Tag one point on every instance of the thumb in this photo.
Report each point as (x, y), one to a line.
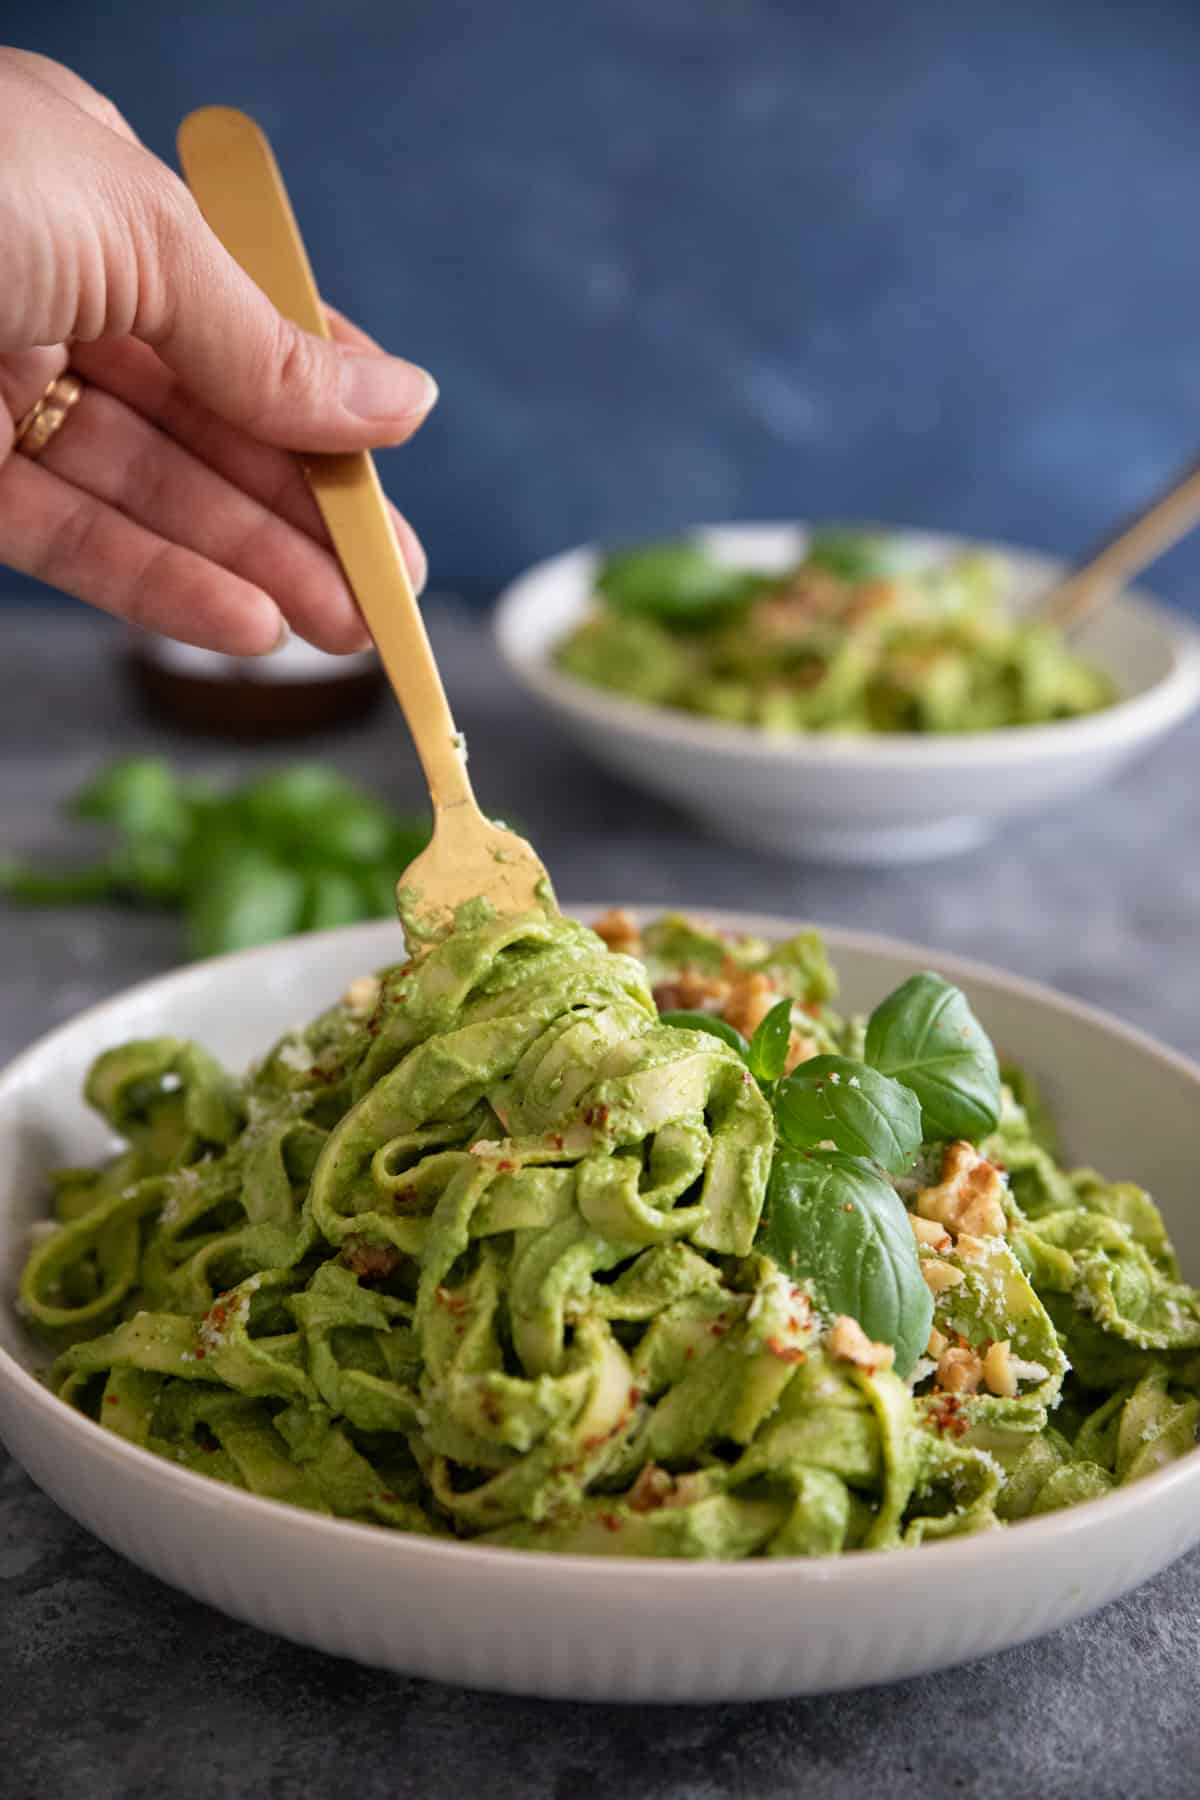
(221, 335)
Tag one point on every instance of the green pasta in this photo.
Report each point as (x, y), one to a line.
(861, 636)
(492, 1251)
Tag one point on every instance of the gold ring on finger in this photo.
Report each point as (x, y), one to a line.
(48, 415)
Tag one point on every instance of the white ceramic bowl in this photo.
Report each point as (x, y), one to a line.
(573, 1626)
(868, 799)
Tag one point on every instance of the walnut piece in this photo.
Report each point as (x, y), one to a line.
(998, 1371)
(930, 1233)
(620, 931)
(362, 996)
(959, 1370)
(940, 1275)
(849, 1343)
(691, 990)
(970, 1195)
(750, 1000)
(800, 1048)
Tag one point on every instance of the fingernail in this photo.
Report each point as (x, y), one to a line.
(284, 638)
(385, 387)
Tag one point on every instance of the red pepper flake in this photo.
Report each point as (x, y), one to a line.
(788, 1353)
(635, 1395)
(849, 1206)
(201, 1353)
(505, 1165)
(558, 1141)
(389, 1499)
(947, 1414)
(596, 1115)
(453, 1303)
(111, 1400)
(717, 1329)
(610, 1521)
(689, 1353)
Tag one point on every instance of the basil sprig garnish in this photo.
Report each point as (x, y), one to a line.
(835, 1222)
(679, 584)
(831, 1216)
(767, 1054)
(856, 1108)
(926, 1036)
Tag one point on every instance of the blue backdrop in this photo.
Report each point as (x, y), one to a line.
(684, 259)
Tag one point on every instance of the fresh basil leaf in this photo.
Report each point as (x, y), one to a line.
(332, 897)
(55, 887)
(926, 1036)
(151, 868)
(702, 1021)
(301, 791)
(409, 837)
(140, 795)
(677, 583)
(863, 1112)
(246, 897)
(833, 1221)
(769, 1045)
(854, 555)
(378, 889)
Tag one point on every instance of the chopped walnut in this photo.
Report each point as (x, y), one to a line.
(651, 1489)
(849, 1342)
(959, 1370)
(939, 1275)
(686, 1489)
(872, 597)
(937, 1343)
(362, 996)
(929, 1232)
(800, 1047)
(370, 1262)
(797, 605)
(691, 990)
(619, 929)
(970, 1195)
(970, 1248)
(750, 1000)
(998, 1371)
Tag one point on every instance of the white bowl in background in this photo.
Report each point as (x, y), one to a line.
(867, 799)
(594, 1628)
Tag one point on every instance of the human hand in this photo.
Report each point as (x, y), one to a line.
(168, 496)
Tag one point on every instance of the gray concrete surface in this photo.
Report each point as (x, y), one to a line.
(111, 1685)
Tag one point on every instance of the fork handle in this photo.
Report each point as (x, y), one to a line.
(231, 169)
(1146, 537)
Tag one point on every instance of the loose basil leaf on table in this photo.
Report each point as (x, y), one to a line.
(863, 1112)
(299, 849)
(709, 1023)
(769, 1046)
(139, 795)
(926, 1036)
(246, 897)
(832, 1220)
(677, 583)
